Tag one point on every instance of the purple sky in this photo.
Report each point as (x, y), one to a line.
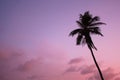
(35, 44)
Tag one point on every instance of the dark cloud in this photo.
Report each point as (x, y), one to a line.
(75, 61)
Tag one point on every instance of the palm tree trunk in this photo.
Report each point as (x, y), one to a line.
(96, 63)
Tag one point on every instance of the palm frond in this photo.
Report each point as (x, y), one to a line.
(81, 16)
(86, 18)
(87, 13)
(95, 30)
(74, 32)
(80, 24)
(83, 41)
(94, 19)
(79, 39)
(97, 24)
(90, 42)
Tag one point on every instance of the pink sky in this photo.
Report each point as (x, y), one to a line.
(35, 44)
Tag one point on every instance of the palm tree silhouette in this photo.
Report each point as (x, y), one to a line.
(87, 26)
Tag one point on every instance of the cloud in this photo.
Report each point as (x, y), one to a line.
(49, 61)
(9, 60)
(30, 65)
(118, 78)
(108, 74)
(35, 77)
(84, 70)
(14, 65)
(90, 72)
(27, 66)
(75, 61)
(72, 69)
(7, 54)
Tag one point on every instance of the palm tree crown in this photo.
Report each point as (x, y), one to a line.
(87, 25)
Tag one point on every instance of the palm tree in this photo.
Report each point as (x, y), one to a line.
(88, 25)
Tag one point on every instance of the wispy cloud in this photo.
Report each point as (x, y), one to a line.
(30, 65)
(74, 65)
(20, 65)
(72, 69)
(75, 60)
(108, 74)
(35, 77)
(84, 70)
(118, 78)
(9, 60)
(6, 54)
(91, 70)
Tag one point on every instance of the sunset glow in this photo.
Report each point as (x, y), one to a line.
(35, 42)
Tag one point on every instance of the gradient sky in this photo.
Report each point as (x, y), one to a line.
(34, 41)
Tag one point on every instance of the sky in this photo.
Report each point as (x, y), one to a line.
(34, 41)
